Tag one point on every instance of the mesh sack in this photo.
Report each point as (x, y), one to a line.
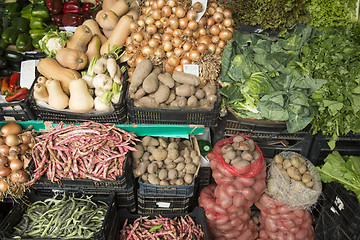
(307, 234)
(289, 191)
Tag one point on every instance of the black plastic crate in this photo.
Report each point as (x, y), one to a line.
(172, 116)
(171, 190)
(347, 145)
(16, 215)
(153, 204)
(340, 215)
(204, 177)
(16, 110)
(118, 116)
(198, 215)
(120, 182)
(5, 208)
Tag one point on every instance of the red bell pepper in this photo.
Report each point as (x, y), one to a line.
(71, 19)
(54, 6)
(14, 82)
(72, 8)
(88, 7)
(77, 2)
(5, 85)
(56, 19)
(20, 94)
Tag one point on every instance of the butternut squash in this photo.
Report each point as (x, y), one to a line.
(94, 27)
(93, 48)
(80, 39)
(118, 35)
(107, 19)
(120, 8)
(57, 98)
(50, 68)
(40, 92)
(107, 32)
(108, 4)
(72, 58)
(134, 13)
(80, 99)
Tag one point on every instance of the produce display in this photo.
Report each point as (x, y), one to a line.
(165, 161)
(10, 86)
(171, 34)
(15, 157)
(343, 169)
(10, 62)
(162, 228)
(86, 151)
(65, 217)
(152, 88)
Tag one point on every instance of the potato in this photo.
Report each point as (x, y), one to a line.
(162, 143)
(172, 181)
(278, 159)
(151, 149)
(179, 159)
(306, 178)
(193, 153)
(192, 102)
(226, 159)
(182, 173)
(151, 82)
(211, 98)
(196, 160)
(226, 148)
(144, 177)
(141, 169)
(243, 146)
(186, 78)
(286, 163)
(247, 155)
(185, 90)
(173, 154)
(279, 166)
(139, 93)
(152, 168)
(179, 181)
(159, 154)
(297, 157)
(164, 183)
(162, 94)
(163, 174)
(188, 160)
(230, 154)
(174, 104)
(181, 101)
(160, 164)
(238, 139)
(310, 184)
(241, 163)
(293, 173)
(190, 168)
(284, 172)
(199, 94)
(188, 178)
(209, 89)
(205, 104)
(166, 79)
(145, 141)
(168, 161)
(186, 153)
(153, 179)
(146, 102)
(302, 168)
(139, 151)
(171, 97)
(295, 162)
(135, 163)
(187, 143)
(170, 166)
(180, 166)
(173, 174)
(142, 70)
(256, 155)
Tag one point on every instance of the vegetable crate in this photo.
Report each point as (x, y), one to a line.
(120, 182)
(171, 190)
(17, 110)
(172, 116)
(204, 177)
(198, 215)
(17, 214)
(117, 116)
(271, 137)
(5, 208)
(347, 145)
(340, 215)
(155, 204)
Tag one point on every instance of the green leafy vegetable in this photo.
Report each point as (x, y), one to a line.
(267, 80)
(343, 169)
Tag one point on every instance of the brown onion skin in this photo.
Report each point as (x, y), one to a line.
(11, 128)
(16, 165)
(12, 140)
(4, 150)
(3, 160)
(19, 176)
(5, 171)
(4, 186)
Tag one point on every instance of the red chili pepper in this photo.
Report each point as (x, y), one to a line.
(77, 2)
(72, 8)
(20, 94)
(70, 19)
(88, 7)
(14, 82)
(5, 85)
(54, 6)
(56, 19)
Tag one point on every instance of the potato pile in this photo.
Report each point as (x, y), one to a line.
(151, 88)
(295, 168)
(240, 153)
(165, 161)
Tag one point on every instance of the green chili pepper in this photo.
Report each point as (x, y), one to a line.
(12, 7)
(10, 35)
(41, 11)
(23, 42)
(21, 23)
(155, 228)
(37, 23)
(26, 11)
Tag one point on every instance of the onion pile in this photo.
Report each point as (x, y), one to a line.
(15, 147)
(167, 32)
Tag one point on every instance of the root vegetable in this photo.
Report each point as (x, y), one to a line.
(293, 173)
(19, 176)
(160, 164)
(179, 159)
(152, 168)
(306, 178)
(188, 178)
(190, 168)
(170, 166)
(173, 174)
(209, 89)
(179, 181)
(164, 183)
(180, 166)
(185, 90)
(310, 184)
(278, 159)
(286, 164)
(139, 151)
(166, 79)
(302, 168)
(139, 93)
(192, 102)
(199, 94)
(171, 98)
(141, 169)
(241, 163)
(142, 70)
(153, 179)
(246, 155)
(230, 154)
(186, 78)
(151, 82)
(163, 174)
(162, 94)
(144, 177)
(146, 102)
(159, 154)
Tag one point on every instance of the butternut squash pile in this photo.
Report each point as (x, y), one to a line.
(93, 44)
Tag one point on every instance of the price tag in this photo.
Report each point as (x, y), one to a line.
(204, 6)
(27, 73)
(192, 69)
(70, 28)
(163, 204)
